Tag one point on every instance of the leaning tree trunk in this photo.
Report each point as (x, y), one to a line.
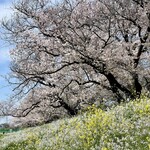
(116, 86)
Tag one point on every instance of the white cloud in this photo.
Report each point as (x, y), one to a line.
(5, 10)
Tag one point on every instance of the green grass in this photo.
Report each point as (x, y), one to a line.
(125, 127)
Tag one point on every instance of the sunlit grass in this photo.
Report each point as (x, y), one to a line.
(125, 127)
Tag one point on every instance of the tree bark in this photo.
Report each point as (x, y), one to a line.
(71, 111)
(116, 86)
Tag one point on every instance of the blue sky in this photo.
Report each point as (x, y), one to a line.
(5, 91)
(5, 12)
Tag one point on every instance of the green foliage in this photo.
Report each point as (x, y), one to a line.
(8, 130)
(125, 127)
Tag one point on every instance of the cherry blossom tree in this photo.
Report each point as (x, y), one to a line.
(79, 50)
(45, 112)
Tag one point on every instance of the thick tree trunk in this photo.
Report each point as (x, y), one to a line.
(116, 86)
(100, 67)
(137, 85)
(71, 111)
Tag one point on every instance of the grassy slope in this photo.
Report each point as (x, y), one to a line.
(125, 127)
